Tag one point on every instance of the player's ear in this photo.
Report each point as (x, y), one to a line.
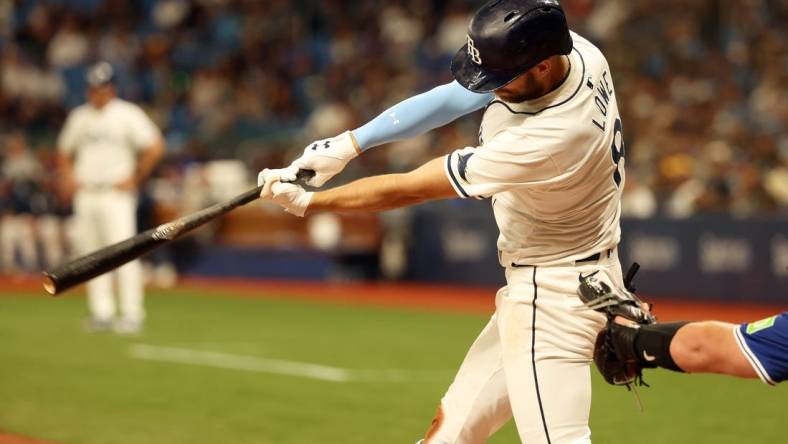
(542, 68)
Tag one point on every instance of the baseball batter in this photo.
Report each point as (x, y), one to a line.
(550, 160)
(107, 148)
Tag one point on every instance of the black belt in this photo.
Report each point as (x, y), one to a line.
(593, 258)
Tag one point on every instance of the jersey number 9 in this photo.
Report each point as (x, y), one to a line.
(619, 151)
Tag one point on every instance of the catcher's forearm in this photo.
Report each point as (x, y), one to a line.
(387, 192)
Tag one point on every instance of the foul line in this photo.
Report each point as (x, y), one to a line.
(238, 362)
(272, 366)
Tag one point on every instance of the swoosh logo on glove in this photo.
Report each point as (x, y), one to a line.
(648, 357)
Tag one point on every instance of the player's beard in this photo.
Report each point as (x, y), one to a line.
(523, 88)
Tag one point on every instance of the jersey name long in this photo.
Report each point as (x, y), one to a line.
(105, 142)
(553, 167)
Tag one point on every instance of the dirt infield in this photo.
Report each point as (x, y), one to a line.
(13, 439)
(444, 298)
(432, 297)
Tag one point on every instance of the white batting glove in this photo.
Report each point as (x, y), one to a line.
(294, 199)
(282, 174)
(327, 157)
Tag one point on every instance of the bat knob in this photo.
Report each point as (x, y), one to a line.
(305, 175)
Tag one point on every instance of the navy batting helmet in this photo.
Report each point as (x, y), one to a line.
(507, 38)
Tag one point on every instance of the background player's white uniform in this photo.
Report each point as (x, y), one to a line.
(553, 168)
(104, 144)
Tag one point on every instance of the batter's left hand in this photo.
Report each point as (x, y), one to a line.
(327, 158)
(294, 199)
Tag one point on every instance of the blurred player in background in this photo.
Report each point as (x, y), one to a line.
(53, 212)
(550, 157)
(108, 147)
(20, 172)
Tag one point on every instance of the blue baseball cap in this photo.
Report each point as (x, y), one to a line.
(100, 74)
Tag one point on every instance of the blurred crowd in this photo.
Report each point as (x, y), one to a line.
(700, 84)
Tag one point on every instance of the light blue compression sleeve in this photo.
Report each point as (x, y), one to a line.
(419, 114)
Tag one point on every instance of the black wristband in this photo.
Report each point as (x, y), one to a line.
(652, 345)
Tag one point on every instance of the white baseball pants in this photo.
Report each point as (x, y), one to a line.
(531, 361)
(104, 217)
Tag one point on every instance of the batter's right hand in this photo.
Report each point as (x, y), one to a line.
(289, 196)
(282, 174)
(328, 157)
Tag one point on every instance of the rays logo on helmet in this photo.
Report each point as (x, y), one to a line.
(473, 52)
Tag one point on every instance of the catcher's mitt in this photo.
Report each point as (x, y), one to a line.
(614, 353)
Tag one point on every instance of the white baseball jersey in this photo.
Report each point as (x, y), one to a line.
(105, 141)
(554, 167)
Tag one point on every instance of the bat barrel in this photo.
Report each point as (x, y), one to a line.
(58, 280)
(85, 268)
(109, 258)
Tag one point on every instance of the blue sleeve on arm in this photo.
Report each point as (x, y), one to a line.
(420, 114)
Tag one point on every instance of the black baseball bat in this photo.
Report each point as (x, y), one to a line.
(87, 267)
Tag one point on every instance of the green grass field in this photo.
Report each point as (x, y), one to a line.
(59, 383)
